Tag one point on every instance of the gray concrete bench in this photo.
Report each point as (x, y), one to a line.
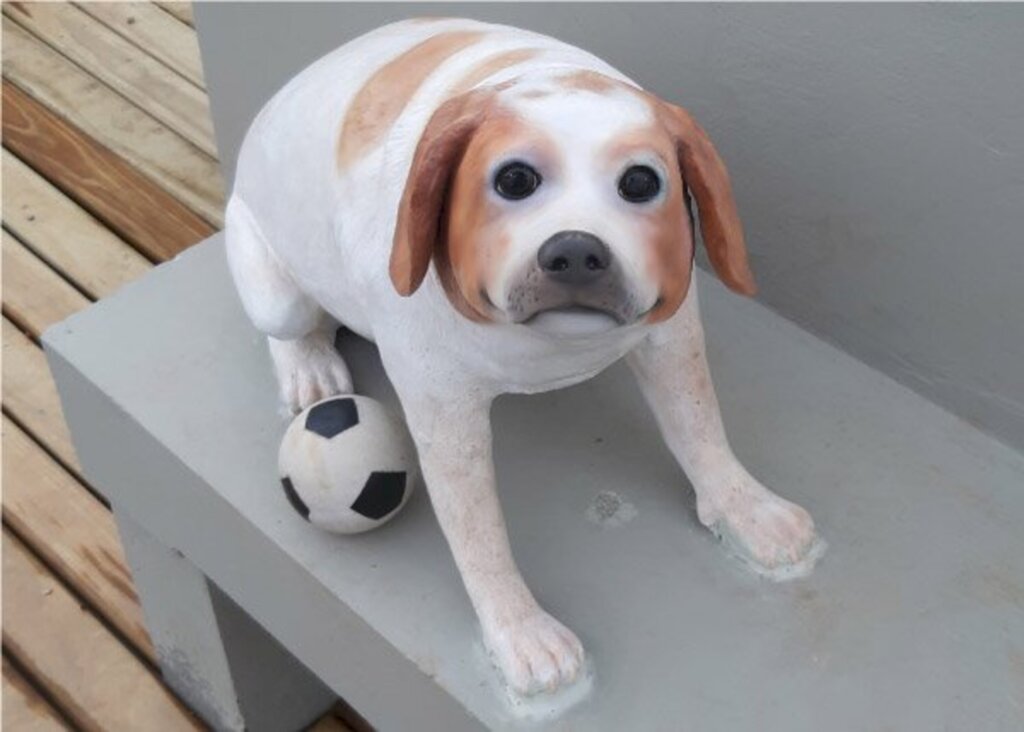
(914, 620)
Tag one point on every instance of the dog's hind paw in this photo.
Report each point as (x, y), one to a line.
(536, 654)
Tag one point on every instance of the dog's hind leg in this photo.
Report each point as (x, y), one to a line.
(299, 332)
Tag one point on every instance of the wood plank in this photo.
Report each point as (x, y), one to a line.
(330, 723)
(69, 532)
(155, 32)
(177, 166)
(35, 296)
(98, 682)
(64, 235)
(30, 395)
(73, 532)
(24, 709)
(180, 10)
(109, 188)
(349, 718)
(122, 66)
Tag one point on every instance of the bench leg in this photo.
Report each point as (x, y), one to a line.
(217, 658)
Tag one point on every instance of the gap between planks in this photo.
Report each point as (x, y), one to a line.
(72, 532)
(30, 397)
(74, 244)
(96, 680)
(109, 188)
(154, 31)
(180, 10)
(35, 297)
(24, 708)
(87, 538)
(173, 163)
(63, 234)
(55, 513)
(93, 284)
(19, 349)
(122, 66)
(59, 518)
(65, 525)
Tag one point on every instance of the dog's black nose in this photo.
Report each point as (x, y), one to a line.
(574, 257)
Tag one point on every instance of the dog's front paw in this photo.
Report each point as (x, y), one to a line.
(535, 653)
(776, 536)
(309, 369)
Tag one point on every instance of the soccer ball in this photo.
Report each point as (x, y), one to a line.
(347, 464)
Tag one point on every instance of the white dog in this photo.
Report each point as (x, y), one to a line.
(500, 212)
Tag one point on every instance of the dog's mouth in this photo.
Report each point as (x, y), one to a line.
(581, 311)
(542, 304)
(581, 320)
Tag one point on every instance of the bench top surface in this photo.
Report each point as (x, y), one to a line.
(914, 619)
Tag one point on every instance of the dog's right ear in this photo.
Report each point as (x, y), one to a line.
(419, 227)
(705, 174)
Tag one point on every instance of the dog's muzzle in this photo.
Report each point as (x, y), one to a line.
(574, 272)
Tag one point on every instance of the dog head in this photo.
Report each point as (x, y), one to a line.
(565, 197)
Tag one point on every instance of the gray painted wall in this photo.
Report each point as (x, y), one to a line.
(877, 154)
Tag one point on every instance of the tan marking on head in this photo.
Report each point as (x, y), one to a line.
(476, 239)
(666, 227)
(492, 65)
(672, 253)
(535, 94)
(380, 101)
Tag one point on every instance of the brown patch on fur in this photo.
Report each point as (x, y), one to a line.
(590, 81)
(494, 64)
(380, 101)
(534, 94)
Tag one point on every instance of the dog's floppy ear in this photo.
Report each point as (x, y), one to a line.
(705, 175)
(440, 149)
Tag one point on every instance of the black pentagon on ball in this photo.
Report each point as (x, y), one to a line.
(330, 419)
(381, 495)
(293, 498)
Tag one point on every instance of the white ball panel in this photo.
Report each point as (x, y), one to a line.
(328, 474)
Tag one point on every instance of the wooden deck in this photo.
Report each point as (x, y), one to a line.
(109, 167)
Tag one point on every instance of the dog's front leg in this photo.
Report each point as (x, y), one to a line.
(534, 651)
(671, 367)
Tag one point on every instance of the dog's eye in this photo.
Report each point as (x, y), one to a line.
(516, 180)
(638, 184)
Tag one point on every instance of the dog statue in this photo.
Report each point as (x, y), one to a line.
(499, 212)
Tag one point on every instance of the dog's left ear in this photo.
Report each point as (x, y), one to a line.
(705, 174)
(440, 149)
